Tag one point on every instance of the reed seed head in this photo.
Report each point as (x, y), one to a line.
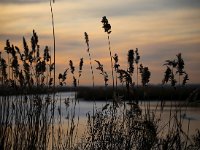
(71, 66)
(131, 61)
(87, 41)
(106, 25)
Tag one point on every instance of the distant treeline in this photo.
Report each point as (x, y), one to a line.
(6, 91)
(152, 92)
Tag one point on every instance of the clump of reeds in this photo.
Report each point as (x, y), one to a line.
(177, 64)
(27, 68)
(63, 77)
(25, 122)
(72, 68)
(145, 74)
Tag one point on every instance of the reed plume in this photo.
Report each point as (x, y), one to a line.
(8, 51)
(116, 66)
(185, 79)
(72, 68)
(107, 29)
(137, 58)
(145, 74)
(177, 64)
(63, 77)
(131, 61)
(80, 66)
(80, 69)
(3, 67)
(88, 50)
(102, 72)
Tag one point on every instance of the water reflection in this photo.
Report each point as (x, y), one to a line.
(188, 114)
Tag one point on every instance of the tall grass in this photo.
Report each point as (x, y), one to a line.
(107, 29)
(88, 50)
(54, 39)
(54, 52)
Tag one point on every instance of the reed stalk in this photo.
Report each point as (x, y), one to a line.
(88, 50)
(107, 29)
(54, 75)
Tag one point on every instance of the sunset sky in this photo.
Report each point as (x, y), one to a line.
(160, 29)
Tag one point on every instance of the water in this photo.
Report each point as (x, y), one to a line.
(66, 107)
(189, 115)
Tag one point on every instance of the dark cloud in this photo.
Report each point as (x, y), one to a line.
(140, 7)
(22, 1)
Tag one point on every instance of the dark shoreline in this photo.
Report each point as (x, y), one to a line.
(151, 92)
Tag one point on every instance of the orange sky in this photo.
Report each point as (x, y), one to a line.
(159, 28)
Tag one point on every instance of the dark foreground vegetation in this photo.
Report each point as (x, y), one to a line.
(29, 120)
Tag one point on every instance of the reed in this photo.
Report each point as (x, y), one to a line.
(88, 50)
(107, 29)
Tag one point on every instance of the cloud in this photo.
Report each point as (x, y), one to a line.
(117, 8)
(21, 1)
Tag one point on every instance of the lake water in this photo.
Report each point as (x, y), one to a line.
(189, 115)
(66, 107)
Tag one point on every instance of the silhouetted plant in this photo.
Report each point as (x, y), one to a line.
(14, 63)
(80, 69)
(3, 67)
(131, 61)
(8, 51)
(46, 54)
(125, 76)
(172, 63)
(74, 82)
(180, 64)
(34, 41)
(177, 64)
(145, 74)
(80, 66)
(51, 68)
(63, 77)
(196, 139)
(167, 75)
(102, 72)
(137, 58)
(72, 68)
(88, 50)
(107, 29)
(47, 58)
(26, 49)
(29, 66)
(54, 40)
(116, 66)
(185, 79)
(106, 25)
